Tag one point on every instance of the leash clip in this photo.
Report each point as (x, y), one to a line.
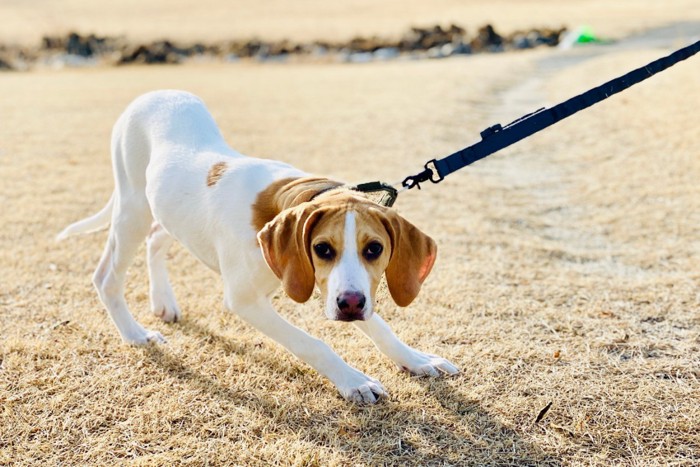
(430, 174)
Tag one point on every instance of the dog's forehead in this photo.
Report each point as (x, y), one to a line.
(367, 219)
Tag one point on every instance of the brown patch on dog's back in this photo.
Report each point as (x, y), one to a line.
(216, 172)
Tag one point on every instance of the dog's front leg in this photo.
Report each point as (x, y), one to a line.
(405, 357)
(353, 384)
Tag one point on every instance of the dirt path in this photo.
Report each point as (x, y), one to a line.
(534, 172)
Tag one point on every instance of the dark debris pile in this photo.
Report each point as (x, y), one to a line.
(74, 49)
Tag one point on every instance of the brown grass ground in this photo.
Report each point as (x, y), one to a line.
(568, 273)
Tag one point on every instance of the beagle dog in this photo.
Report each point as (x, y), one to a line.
(258, 223)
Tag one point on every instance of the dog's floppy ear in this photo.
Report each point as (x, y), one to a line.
(284, 242)
(413, 254)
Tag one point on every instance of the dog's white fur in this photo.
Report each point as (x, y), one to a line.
(163, 146)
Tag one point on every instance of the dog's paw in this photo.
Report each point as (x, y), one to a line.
(361, 389)
(165, 307)
(423, 364)
(144, 337)
(169, 314)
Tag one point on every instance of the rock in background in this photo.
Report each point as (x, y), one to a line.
(75, 49)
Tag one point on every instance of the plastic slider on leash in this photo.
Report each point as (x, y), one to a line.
(497, 137)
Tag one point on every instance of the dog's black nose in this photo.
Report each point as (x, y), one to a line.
(351, 306)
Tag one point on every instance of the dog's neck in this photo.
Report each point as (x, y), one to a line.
(288, 193)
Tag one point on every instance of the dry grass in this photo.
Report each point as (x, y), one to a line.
(568, 273)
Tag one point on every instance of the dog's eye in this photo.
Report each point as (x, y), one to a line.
(324, 251)
(372, 251)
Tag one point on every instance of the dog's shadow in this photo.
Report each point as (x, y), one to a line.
(460, 432)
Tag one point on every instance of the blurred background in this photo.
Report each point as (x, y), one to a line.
(25, 22)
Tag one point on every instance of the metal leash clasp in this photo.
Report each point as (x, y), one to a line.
(430, 173)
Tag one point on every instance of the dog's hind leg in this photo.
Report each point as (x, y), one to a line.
(130, 224)
(163, 302)
(131, 220)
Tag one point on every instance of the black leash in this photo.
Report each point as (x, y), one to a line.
(497, 137)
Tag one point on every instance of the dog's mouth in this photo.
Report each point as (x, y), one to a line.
(349, 318)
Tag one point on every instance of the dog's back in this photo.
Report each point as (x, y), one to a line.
(170, 117)
(162, 126)
(170, 149)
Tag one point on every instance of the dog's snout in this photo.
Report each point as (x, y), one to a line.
(351, 306)
(350, 301)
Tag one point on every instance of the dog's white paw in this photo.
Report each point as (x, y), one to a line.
(361, 389)
(165, 307)
(423, 364)
(145, 336)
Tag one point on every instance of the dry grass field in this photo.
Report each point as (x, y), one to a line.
(568, 272)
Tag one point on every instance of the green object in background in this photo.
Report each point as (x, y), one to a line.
(586, 35)
(579, 36)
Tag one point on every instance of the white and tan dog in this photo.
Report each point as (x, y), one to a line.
(256, 222)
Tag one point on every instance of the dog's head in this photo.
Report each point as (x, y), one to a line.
(343, 246)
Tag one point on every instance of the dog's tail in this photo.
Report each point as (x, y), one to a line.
(90, 224)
